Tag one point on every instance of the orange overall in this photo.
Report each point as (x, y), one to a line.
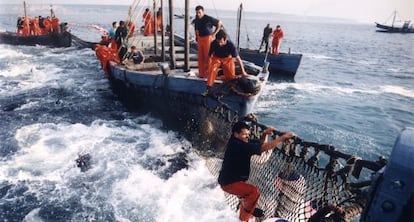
(131, 29)
(249, 196)
(148, 29)
(48, 26)
(55, 24)
(277, 39)
(26, 27)
(203, 43)
(36, 27)
(227, 64)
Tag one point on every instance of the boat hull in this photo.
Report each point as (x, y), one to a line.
(177, 100)
(393, 29)
(285, 64)
(53, 39)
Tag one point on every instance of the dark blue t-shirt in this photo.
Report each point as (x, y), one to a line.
(223, 51)
(205, 25)
(236, 162)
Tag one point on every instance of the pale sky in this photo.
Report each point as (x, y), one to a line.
(360, 10)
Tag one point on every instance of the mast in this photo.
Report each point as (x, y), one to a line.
(154, 15)
(239, 14)
(187, 37)
(393, 19)
(172, 50)
(24, 8)
(162, 32)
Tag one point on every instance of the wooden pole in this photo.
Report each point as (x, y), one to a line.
(154, 6)
(162, 32)
(172, 50)
(187, 37)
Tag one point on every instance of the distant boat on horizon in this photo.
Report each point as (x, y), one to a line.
(406, 27)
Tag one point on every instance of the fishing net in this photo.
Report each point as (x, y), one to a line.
(304, 181)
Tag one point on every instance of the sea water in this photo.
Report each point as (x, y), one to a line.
(354, 90)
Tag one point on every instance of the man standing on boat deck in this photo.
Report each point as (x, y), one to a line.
(221, 54)
(235, 169)
(203, 27)
(277, 39)
(267, 31)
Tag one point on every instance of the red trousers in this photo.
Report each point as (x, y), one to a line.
(227, 64)
(203, 43)
(249, 196)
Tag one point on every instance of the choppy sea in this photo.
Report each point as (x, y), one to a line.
(354, 89)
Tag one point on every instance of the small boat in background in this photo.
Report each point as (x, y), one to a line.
(282, 64)
(38, 31)
(406, 27)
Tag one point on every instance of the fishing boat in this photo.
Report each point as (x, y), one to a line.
(169, 87)
(63, 39)
(309, 181)
(299, 181)
(59, 37)
(282, 64)
(406, 27)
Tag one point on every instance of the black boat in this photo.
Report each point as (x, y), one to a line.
(170, 89)
(59, 37)
(285, 64)
(63, 39)
(406, 27)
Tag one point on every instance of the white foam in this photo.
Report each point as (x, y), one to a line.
(399, 90)
(47, 154)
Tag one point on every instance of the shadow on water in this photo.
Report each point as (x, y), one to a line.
(280, 78)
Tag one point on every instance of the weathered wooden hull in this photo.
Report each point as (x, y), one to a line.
(53, 39)
(176, 98)
(393, 29)
(286, 64)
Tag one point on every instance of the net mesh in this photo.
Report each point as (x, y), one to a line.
(301, 181)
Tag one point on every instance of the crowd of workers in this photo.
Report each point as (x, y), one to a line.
(35, 26)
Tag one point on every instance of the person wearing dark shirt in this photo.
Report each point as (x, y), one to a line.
(203, 27)
(235, 168)
(221, 54)
(267, 31)
(135, 56)
(121, 33)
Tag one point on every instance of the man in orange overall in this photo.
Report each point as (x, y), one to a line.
(222, 53)
(147, 17)
(235, 168)
(55, 24)
(277, 39)
(47, 23)
(203, 25)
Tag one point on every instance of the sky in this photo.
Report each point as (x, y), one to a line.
(359, 10)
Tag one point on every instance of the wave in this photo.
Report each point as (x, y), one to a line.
(132, 178)
(399, 90)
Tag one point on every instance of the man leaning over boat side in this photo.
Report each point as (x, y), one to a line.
(235, 168)
(203, 27)
(221, 54)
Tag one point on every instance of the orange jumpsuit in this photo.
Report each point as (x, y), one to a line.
(221, 56)
(131, 29)
(35, 28)
(277, 39)
(26, 27)
(204, 29)
(48, 26)
(203, 43)
(148, 29)
(249, 196)
(55, 24)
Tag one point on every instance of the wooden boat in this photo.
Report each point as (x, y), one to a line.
(170, 89)
(285, 64)
(406, 27)
(60, 38)
(63, 39)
